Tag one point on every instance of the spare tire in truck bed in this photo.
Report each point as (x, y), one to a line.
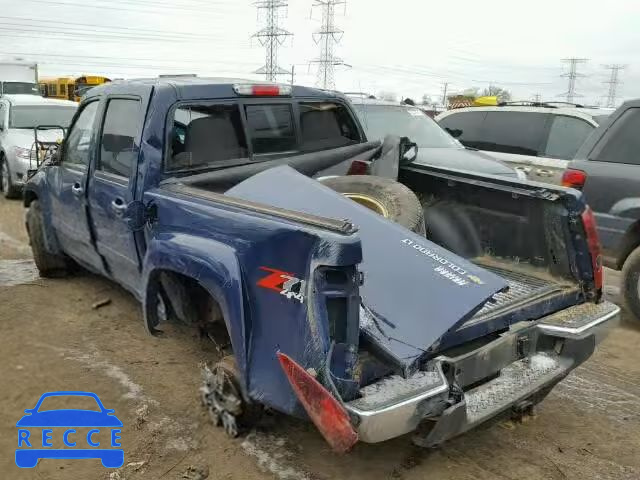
(387, 197)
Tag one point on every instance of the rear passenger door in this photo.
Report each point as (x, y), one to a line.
(566, 136)
(613, 170)
(112, 186)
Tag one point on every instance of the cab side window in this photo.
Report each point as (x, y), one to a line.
(80, 140)
(205, 136)
(621, 144)
(566, 136)
(522, 133)
(118, 148)
(3, 116)
(465, 126)
(326, 125)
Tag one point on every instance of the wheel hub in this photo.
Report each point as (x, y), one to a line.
(221, 396)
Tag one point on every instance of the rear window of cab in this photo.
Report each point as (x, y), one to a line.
(209, 134)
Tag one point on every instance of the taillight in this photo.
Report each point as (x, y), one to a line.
(358, 167)
(593, 241)
(573, 178)
(264, 90)
(324, 410)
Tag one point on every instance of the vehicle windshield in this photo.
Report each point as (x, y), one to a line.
(30, 116)
(405, 121)
(20, 88)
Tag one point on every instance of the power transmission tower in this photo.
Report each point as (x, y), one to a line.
(537, 98)
(271, 37)
(572, 75)
(327, 36)
(613, 82)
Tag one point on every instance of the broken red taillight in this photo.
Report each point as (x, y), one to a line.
(324, 410)
(262, 90)
(358, 167)
(593, 241)
(574, 178)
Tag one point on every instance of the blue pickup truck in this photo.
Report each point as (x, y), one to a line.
(406, 298)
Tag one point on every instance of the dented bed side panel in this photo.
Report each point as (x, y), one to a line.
(261, 270)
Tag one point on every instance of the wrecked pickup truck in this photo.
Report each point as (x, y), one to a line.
(198, 196)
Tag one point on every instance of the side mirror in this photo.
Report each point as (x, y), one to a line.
(408, 151)
(454, 132)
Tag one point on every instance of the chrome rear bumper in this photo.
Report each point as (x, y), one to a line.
(523, 365)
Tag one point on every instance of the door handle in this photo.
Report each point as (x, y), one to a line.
(544, 172)
(119, 207)
(77, 189)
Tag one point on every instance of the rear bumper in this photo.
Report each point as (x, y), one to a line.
(523, 365)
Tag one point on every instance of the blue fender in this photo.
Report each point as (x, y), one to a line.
(215, 267)
(35, 189)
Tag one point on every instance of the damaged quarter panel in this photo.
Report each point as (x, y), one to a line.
(261, 271)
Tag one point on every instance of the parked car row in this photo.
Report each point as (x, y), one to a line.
(20, 116)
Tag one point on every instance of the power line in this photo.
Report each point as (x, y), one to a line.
(91, 57)
(327, 37)
(613, 82)
(119, 9)
(271, 37)
(572, 75)
(108, 28)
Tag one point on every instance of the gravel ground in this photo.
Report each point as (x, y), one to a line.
(51, 339)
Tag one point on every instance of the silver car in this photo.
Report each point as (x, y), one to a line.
(538, 139)
(19, 115)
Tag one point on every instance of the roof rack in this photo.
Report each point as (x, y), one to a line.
(359, 94)
(525, 103)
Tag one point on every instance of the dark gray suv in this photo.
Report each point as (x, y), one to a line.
(607, 170)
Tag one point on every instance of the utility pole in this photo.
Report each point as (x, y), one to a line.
(572, 75)
(327, 36)
(537, 98)
(444, 95)
(271, 37)
(613, 82)
(293, 73)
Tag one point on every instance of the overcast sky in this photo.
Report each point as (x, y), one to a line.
(410, 47)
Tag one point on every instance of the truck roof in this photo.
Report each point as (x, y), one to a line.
(24, 99)
(189, 87)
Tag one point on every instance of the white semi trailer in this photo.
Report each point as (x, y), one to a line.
(18, 76)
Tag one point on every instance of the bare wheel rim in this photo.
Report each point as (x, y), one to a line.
(368, 202)
(4, 172)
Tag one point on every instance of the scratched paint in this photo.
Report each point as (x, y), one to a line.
(17, 272)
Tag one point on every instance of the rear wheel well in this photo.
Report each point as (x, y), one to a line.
(628, 244)
(188, 302)
(28, 197)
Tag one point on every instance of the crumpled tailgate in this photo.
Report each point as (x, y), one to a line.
(414, 290)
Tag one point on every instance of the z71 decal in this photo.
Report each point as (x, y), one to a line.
(284, 283)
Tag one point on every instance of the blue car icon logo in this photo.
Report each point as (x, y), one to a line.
(37, 429)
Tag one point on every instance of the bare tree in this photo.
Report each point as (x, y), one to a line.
(426, 100)
(493, 91)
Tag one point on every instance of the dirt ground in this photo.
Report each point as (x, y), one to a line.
(52, 339)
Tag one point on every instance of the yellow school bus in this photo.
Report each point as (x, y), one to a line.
(69, 88)
(62, 87)
(86, 82)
